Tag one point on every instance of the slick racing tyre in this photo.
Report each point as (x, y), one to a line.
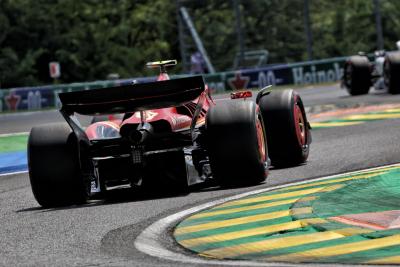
(391, 70)
(54, 168)
(236, 143)
(357, 75)
(286, 126)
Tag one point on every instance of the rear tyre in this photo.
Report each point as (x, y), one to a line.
(391, 71)
(54, 168)
(357, 75)
(236, 143)
(286, 126)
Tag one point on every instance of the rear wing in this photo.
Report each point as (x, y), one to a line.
(135, 97)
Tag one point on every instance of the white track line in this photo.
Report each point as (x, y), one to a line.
(148, 241)
(13, 134)
(12, 173)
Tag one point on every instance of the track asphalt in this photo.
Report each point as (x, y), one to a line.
(350, 219)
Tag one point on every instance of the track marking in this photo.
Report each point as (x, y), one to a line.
(393, 110)
(385, 260)
(279, 243)
(372, 117)
(366, 176)
(14, 134)
(283, 195)
(12, 173)
(250, 232)
(238, 221)
(247, 208)
(151, 241)
(337, 250)
(360, 110)
(334, 124)
(352, 117)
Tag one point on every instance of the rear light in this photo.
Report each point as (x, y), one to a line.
(241, 94)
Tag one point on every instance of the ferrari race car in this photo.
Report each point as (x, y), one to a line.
(171, 135)
(360, 74)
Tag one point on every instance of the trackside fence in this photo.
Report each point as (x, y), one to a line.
(304, 73)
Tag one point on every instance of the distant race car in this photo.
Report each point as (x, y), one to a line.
(171, 135)
(360, 74)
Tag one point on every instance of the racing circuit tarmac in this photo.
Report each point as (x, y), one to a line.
(102, 233)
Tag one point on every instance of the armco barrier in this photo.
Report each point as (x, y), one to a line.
(311, 72)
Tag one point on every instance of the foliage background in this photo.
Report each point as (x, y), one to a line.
(93, 38)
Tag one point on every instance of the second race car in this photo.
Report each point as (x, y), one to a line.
(360, 74)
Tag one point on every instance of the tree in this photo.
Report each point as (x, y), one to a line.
(93, 38)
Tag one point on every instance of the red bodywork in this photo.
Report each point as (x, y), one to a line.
(179, 118)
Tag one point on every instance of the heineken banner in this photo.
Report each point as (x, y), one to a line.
(312, 72)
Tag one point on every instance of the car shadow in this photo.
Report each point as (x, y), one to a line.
(116, 196)
(119, 196)
(128, 195)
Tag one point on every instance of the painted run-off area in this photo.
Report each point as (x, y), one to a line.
(13, 153)
(13, 143)
(354, 116)
(299, 223)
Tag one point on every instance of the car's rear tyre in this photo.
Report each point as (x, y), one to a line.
(54, 167)
(286, 126)
(357, 75)
(391, 71)
(237, 144)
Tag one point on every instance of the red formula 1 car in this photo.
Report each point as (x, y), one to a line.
(171, 136)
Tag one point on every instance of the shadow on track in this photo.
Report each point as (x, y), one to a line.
(118, 196)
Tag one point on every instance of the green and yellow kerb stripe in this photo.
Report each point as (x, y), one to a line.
(359, 118)
(293, 224)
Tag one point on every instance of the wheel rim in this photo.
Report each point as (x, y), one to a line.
(261, 141)
(300, 125)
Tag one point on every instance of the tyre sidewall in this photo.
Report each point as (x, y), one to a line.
(278, 111)
(391, 70)
(54, 166)
(233, 143)
(360, 75)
